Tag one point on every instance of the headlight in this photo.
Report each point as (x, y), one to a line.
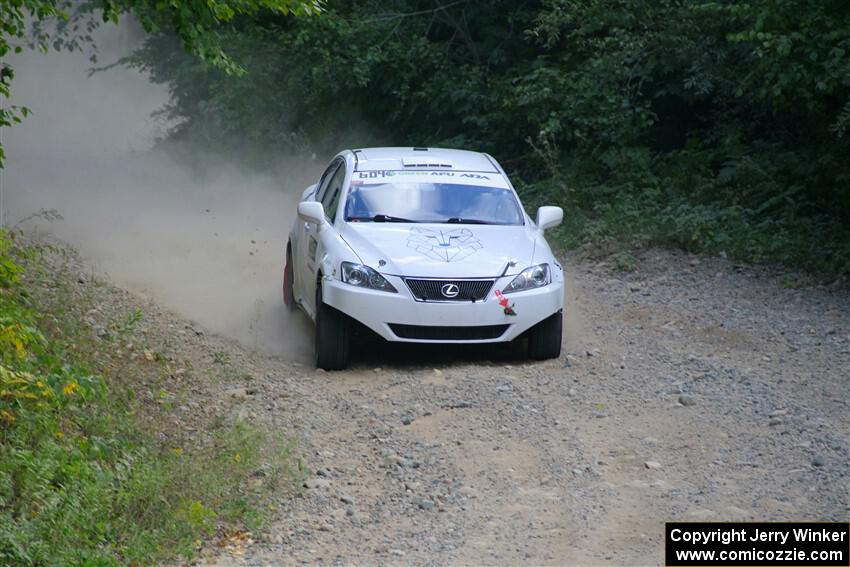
(364, 276)
(530, 278)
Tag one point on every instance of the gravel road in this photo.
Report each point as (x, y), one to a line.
(689, 389)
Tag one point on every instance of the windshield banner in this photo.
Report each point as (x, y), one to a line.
(383, 176)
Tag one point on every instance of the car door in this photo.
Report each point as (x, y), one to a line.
(328, 194)
(303, 285)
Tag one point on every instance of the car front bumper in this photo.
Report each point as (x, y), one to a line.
(386, 313)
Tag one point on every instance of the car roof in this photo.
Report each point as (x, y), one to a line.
(372, 159)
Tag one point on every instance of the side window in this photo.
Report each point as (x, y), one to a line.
(326, 178)
(330, 198)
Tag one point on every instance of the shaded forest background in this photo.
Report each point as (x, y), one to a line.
(720, 127)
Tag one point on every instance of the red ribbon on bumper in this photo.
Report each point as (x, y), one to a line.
(503, 301)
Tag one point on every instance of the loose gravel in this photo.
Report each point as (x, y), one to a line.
(688, 390)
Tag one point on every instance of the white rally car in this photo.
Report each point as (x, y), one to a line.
(422, 245)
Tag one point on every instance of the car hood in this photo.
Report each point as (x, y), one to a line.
(440, 250)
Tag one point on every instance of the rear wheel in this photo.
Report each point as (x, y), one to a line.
(333, 336)
(544, 339)
(288, 293)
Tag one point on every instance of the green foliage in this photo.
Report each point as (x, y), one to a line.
(195, 22)
(710, 125)
(623, 261)
(81, 482)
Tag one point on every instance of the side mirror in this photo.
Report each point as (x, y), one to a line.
(547, 217)
(311, 211)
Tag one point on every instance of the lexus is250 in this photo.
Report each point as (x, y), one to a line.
(422, 245)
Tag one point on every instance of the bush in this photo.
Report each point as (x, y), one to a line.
(81, 481)
(709, 125)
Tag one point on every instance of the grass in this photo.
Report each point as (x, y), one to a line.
(93, 470)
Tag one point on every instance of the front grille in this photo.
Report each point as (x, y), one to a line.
(424, 333)
(432, 290)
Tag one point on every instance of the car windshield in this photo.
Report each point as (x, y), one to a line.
(432, 203)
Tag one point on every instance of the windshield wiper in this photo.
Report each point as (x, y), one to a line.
(458, 220)
(381, 218)
(390, 218)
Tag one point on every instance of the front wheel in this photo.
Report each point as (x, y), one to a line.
(544, 339)
(333, 336)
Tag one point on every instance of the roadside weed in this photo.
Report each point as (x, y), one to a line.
(90, 474)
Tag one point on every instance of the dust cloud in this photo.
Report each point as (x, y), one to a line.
(207, 242)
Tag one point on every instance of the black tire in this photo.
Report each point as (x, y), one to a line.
(544, 339)
(288, 290)
(333, 336)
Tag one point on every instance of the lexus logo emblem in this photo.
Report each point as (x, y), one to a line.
(450, 290)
